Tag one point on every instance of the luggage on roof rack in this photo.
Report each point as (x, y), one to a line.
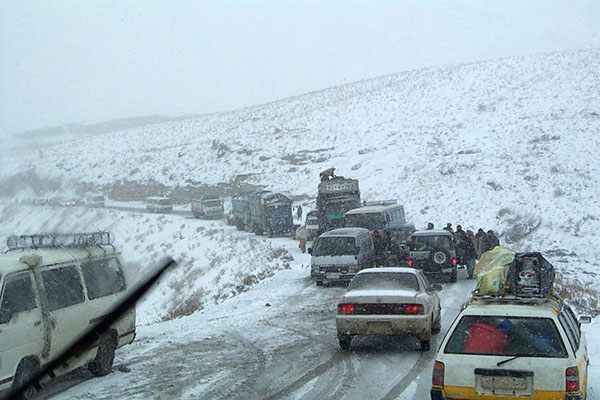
(59, 240)
(502, 272)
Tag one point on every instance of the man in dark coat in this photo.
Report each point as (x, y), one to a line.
(430, 226)
(482, 242)
(493, 240)
(448, 227)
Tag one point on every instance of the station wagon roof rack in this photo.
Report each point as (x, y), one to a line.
(59, 240)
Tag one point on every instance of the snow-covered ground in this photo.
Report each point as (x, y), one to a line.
(509, 145)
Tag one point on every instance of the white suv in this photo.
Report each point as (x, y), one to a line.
(53, 289)
(506, 347)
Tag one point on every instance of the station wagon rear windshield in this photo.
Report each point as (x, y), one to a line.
(506, 336)
(430, 242)
(335, 246)
(385, 281)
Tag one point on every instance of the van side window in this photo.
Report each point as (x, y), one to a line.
(63, 287)
(570, 327)
(18, 297)
(103, 277)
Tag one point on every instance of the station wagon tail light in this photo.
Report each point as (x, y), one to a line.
(437, 378)
(413, 308)
(410, 262)
(572, 379)
(454, 261)
(345, 308)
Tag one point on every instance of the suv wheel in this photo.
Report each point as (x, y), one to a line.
(26, 370)
(425, 345)
(102, 364)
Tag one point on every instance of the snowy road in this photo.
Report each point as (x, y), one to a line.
(275, 341)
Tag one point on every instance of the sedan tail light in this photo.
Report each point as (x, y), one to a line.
(437, 378)
(413, 309)
(454, 261)
(410, 262)
(572, 379)
(345, 308)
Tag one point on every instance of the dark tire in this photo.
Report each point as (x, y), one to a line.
(453, 276)
(437, 325)
(102, 364)
(257, 230)
(319, 283)
(26, 370)
(345, 341)
(269, 232)
(425, 345)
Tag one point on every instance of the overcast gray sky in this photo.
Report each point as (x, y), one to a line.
(88, 61)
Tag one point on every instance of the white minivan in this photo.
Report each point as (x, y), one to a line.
(53, 288)
(339, 254)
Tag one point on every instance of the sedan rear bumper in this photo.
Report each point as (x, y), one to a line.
(405, 325)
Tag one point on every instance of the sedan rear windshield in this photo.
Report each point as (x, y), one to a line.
(506, 336)
(385, 281)
(422, 243)
(335, 246)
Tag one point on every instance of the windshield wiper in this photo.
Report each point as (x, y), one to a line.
(499, 363)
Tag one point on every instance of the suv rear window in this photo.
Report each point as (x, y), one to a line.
(506, 336)
(429, 242)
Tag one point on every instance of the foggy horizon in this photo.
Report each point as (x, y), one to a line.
(100, 61)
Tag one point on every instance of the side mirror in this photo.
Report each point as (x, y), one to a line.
(436, 288)
(310, 250)
(585, 319)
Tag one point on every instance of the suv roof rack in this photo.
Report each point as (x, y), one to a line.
(379, 203)
(59, 240)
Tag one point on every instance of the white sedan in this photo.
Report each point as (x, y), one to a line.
(389, 301)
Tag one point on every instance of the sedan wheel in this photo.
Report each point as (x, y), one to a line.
(345, 341)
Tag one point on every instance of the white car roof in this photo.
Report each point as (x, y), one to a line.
(534, 308)
(10, 261)
(345, 232)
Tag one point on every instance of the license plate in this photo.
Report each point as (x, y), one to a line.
(503, 383)
(333, 275)
(379, 326)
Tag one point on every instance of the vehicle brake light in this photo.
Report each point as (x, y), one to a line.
(437, 378)
(410, 262)
(413, 308)
(345, 308)
(572, 379)
(454, 261)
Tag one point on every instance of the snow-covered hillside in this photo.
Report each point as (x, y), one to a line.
(510, 145)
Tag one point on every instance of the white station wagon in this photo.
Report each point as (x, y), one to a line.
(389, 301)
(510, 348)
(50, 295)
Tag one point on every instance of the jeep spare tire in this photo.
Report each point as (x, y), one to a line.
(439, 257)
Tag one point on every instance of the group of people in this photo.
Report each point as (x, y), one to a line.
(470, 246)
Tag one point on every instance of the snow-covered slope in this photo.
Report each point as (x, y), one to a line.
(507, 144)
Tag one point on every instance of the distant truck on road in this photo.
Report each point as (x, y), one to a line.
(207, 208)
(270, 213)
(336, 195)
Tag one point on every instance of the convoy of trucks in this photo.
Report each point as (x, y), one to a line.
(262, 212)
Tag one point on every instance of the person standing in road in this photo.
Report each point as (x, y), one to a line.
(493, 240)
(448, 227)
(299, 212)
(469, 253)
(302, 238)
(482, 242)
(471, 237)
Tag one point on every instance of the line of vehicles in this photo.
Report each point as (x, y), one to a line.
(520, 342)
